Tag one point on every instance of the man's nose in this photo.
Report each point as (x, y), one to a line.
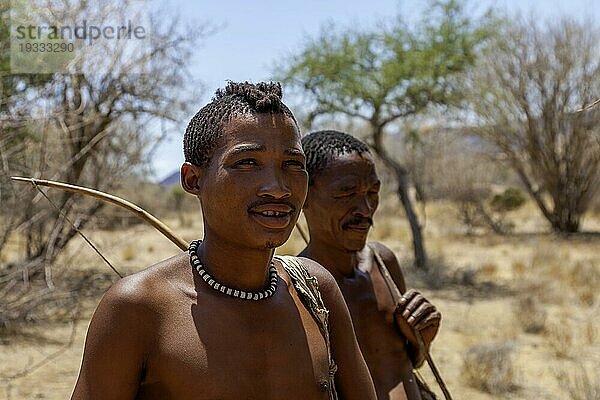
(363, 207)
(274, 185)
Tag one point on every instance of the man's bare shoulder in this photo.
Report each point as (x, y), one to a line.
(324, 277)
(391, 263)
(150, 287)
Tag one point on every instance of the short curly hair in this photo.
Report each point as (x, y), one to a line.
(237, 99)
(322, 146)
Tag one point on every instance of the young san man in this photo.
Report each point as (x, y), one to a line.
(225, 321)
(342, 198)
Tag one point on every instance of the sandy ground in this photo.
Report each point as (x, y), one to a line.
(479, 283)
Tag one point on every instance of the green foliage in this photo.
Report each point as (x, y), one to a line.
(511, 199)
(388, 72)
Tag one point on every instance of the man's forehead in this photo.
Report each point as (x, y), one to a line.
(355, 178)
(363, 161)
(259, 132)
(240, 122)
(249, 147)
(350, 169)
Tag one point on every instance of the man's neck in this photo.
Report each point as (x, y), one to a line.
(235, 266)
(340, 263)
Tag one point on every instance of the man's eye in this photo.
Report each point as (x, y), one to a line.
(344, 195)
(246, 162)
(295, 163)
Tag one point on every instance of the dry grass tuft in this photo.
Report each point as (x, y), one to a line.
(561, 338)
(550, 273)
(579, 383)
(128, 253)
(519, 269)
(587, 296)
(437, 275)
(530, 314)
(488, 270)
(489, 368)
(584, 277)
(590, 331)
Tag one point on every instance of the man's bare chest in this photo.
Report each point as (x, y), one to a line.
(371, 308)
(236, 349)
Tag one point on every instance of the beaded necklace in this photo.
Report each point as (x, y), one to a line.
(242, 294)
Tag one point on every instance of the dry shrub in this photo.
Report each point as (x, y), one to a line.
(549, 274)
(488, 270)
(530, 314)
(519, 269)
(585, 278)
(579, 383)
(561, 338)
(489, 368)
(587, 296)
(436, 276)
(590, 331)
(33, 306)
(547, 291)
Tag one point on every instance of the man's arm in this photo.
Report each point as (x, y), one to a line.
(116, 343)
(353, 381)
(414, 311)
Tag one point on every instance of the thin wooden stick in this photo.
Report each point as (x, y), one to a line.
(302, 233)
(397, 294)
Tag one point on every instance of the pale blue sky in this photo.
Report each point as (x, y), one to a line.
(254, 35)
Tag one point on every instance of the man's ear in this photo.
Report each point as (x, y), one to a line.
(191, 178)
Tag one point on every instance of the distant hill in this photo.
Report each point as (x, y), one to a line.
(170, 180)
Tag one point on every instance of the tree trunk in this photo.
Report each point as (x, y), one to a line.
(402, 177)
(413, 220)
(565, 220)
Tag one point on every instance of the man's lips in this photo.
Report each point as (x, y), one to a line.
(272, 207)
(272, 215)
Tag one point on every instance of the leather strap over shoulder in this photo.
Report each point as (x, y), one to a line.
(307, 287)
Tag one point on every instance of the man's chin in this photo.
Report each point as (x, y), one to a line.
(273, 244)
(354, 244)
(272, 241)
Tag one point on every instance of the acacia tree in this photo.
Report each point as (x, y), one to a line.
(383, 75)
(534, 94)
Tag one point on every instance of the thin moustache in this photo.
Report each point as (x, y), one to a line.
(358, 221)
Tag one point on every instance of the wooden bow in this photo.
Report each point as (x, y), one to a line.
(140, 212)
